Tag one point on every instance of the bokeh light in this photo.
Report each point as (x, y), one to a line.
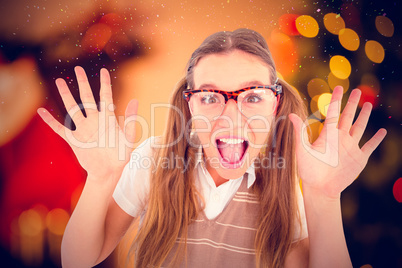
(397, 190)
(333, 23)
(56, 221)
(384, 26)
(317, 86)
(96, 38)
(313, 104)
(334, 81)
(371, 80)
(323, 103)
(315, 127)
(368, 95)
(374, 51)
(283, 51)
(349, 39)
(287, 24)
(30, 223)
(307, 26)
(340, 67)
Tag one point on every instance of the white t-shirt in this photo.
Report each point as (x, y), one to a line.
(132, 190)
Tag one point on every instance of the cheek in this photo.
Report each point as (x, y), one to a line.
(258, 131)
(203, 128)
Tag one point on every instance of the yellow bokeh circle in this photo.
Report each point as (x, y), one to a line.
(340, 67)
(374, 51)
(333, 23)
(307, 26)
(323, 103)
(349, 39)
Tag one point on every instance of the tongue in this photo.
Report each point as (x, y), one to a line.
(231, 153)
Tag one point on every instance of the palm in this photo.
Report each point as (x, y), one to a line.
(98, 142)
(335, 159)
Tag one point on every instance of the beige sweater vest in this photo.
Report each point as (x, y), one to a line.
(227, 240)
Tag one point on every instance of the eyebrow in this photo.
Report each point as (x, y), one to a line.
(242, 85)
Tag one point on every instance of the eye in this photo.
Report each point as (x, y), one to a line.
(252, 98)
(210, 99)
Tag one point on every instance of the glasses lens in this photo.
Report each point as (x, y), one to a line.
(257, 102)
(208, 104)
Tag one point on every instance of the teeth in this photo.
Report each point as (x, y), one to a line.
(231, 141)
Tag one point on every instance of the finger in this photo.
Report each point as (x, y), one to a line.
(334, 108)
(359, 126)
(369, 147)
(300, 129)
(349, 112)
(69, 102)
(86, 95)
(130, 118)
(53, 123)
(106, 90)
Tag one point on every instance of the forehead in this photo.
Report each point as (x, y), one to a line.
(231, 71)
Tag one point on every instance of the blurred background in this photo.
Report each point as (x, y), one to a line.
(145, 45)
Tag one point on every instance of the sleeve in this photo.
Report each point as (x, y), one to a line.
(300, 231)
(132, 190)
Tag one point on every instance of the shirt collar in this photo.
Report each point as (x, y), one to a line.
(251, 169)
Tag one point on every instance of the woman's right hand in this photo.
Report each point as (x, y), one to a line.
(101, 146)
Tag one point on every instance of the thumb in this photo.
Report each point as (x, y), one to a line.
(130, 119)
(300, 130)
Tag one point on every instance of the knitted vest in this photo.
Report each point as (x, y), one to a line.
(227, 240)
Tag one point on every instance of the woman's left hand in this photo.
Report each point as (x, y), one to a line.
(334, 160)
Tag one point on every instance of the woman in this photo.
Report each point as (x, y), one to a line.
(230, 115)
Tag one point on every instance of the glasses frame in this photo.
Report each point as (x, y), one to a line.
(233, 95)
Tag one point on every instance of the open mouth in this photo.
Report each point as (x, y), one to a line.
(232, 151)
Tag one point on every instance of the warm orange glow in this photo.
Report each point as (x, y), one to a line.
(313, 104)
(384, 26)
(315, 127)
(374, 51)
(287, 24)
(96, 38)
(307, 26)
(317, 86)
(349, 39)
(284, 52)
(340, 67)
(30, 223)
(56, 221)
(334, 81)
(333, 23)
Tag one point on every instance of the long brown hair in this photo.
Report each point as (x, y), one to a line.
(174, 201)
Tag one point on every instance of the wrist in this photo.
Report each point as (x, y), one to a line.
(319, 199)
(104, 183)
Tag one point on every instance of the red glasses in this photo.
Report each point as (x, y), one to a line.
(251, 101)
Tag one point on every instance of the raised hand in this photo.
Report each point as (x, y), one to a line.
(101, 146)
(334, 160)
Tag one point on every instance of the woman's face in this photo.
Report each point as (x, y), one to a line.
(231, 142)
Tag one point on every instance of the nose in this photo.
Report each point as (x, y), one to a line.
(231, 110)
